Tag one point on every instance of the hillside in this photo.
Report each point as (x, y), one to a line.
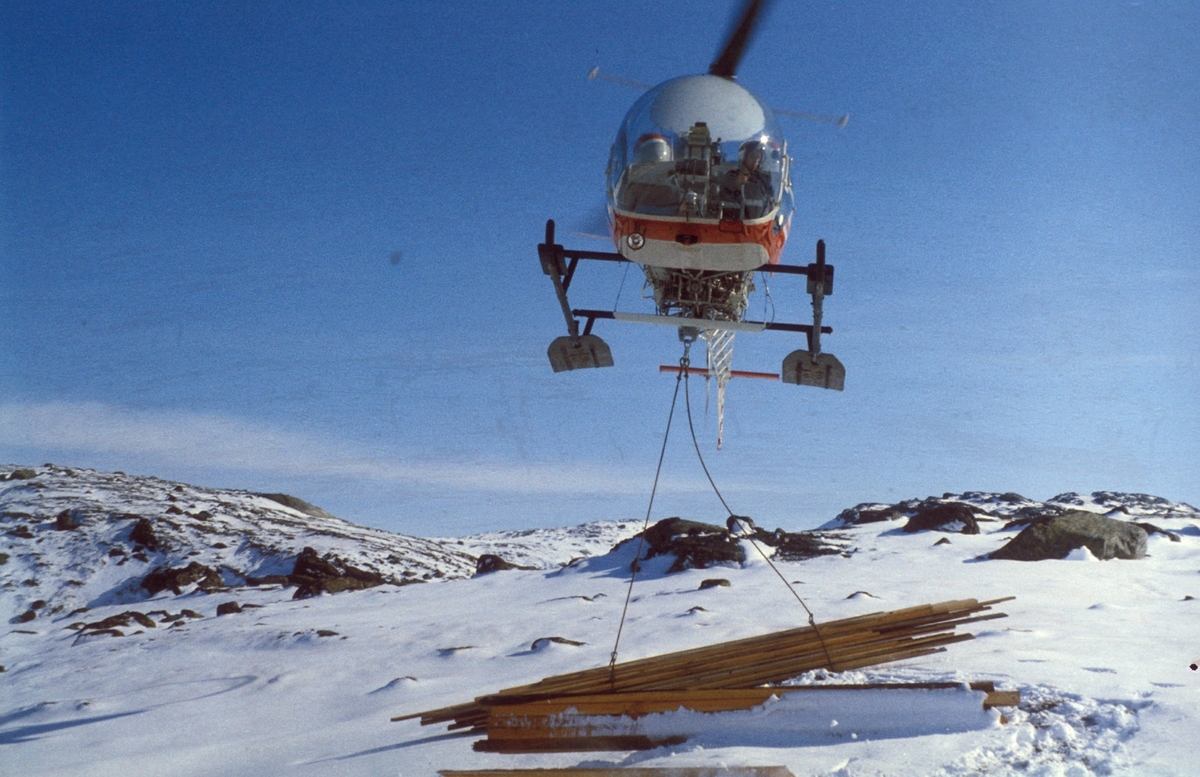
(245, 678)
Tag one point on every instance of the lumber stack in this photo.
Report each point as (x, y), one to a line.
(740, 665)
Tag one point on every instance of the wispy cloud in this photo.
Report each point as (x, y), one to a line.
(217, 442)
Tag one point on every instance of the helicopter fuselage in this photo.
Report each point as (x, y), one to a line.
(699, 193)
(699, 178)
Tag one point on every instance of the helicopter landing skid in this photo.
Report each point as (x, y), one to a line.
(581, 350)
(822, 370)
(577, 353)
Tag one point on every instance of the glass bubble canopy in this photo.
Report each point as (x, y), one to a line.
(677, 152)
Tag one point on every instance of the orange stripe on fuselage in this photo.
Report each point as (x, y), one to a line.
(760, 231)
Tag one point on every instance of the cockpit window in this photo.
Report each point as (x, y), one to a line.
(698, 147)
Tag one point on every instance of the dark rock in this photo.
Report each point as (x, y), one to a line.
(269, 580)
(867, 512)
(297, 504)
(695, 545)
(540, 641)
(315, 574)
(326, 633)
(713, 582)
(38, 604)
(143, 534)
(22, 474)
(69, 519)
(120, 621)
(21, 531)
(489, 562)
(3, 559)
(110, 632)
(944, 516)
(1034, 514)
(309, 564)
(228, 608)
(114, 552)
(26, 616)
(1150, 528)
(796, 546)
(162, 578)
(190, 613)
(1055, 538)
(173, 510)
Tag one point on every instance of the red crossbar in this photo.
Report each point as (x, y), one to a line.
(732, 373)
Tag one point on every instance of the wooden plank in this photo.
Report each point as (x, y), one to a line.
(1002, 699)
(852, 643)
(564, 717)
(575, 744)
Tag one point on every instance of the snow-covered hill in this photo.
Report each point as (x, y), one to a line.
(162, 683)
(101, 558)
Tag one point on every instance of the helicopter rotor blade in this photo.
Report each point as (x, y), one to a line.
(595, 73)
(840, 121)
(727, 61)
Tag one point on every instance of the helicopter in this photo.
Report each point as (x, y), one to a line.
(700, 197)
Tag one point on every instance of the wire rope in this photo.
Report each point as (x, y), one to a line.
(812, 621)
(684, 362)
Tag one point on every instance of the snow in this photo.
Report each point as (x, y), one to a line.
(1100, 651)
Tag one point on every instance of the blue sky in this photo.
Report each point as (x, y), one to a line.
(290, 246)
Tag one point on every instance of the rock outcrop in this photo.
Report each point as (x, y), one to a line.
(314, 574)
(163, 578)
(944, 516)
(694, 545)
(1056, 537)
(490, 562)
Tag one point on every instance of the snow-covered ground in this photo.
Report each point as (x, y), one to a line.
(1099, 650)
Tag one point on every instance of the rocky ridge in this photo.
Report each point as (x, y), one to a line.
(77, 538)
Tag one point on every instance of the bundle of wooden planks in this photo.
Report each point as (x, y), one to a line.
(733, 667)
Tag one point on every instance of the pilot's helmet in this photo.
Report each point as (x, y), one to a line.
(755, 147)
(652, 147)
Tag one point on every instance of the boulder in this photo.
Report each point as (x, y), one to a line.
(228, 608)
(313, 575)
(944, 516)
(123, 620)
(23, 473)
(714, 582)
(867, 512)
(695, 545)
(797, 546)
(1034, 514)
(143, 534)
(1152, 529)
(69, 519)
(1056, 537)
(542, 642)
(490, 562)
(162, 578)
(297, 504)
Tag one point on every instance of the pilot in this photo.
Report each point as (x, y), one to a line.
(652, 147)
(746, 188)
